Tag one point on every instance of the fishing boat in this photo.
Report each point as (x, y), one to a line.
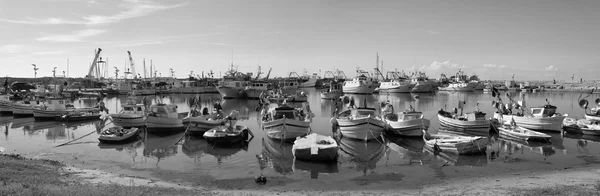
(459, 83)
(406, 123)
(255, 89)
(422, 84)
(283, 122)
(229, 134)
(315, 147)
(200, 123)
(131, 115)
(234, 84)
(5, 104)
(333, 92)
(456, 144)
(25, 108)
(581, 126)
(400, 85)
(360, 84)
(360, 123)
(309, 81)
(298, 96)
(539, 118)
(516, 132)
(58, 107)
(118, 134)
(470, 121)
(84, 115)
(193, 86)
(163, 118)
(594, 114)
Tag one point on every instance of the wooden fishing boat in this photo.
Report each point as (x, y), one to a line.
(540, 118)
(360, 123)
(521, 133)
(456, 144)
(299, 96)
(58, 107)
(5, 104)
(334, 91)
(283, 122)
(79, 116)
(163, 118)
(315, 147)
(198, 124)
(473, 120)
(581, 126)
(25, 108)
(118, 134)
(226, 134)
(132, 114)
(407, 123)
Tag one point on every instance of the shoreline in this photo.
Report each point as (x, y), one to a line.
(586, 178)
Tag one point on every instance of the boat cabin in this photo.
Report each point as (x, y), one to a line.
(358, 112)
(164, 110)
(260, 85)
(137, 109)
(4, 98)
(235, 84)
(360, 80)
(544, 111)
(58, 105)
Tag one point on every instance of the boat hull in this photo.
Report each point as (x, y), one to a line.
(201, 124)
(159, 125)
(468, 125)
(286, 129)
(364, 89)
(22, 110)
(592, 117)
(47, 114)
(423, 88)
(315, 147)
(194, 90)
(523, 134)
(458, 145)
(331, 95)
(544, 124)
(130, 136)
(366, 129)
(5, 107)
(407, 128)
(129, 120)
(458, 89)
(231, 93)
(407, 88)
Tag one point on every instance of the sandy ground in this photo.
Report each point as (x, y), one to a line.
(503, 184)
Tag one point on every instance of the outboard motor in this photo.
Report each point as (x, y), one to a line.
(205, 111)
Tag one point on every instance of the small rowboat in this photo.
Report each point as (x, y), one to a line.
(226, 134)
(118, 134)
(582, 126)
(475, 120)
(315, 147)
(456, 144)
(78, 116)
(513, 131)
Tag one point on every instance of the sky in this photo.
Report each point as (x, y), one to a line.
(533, 39)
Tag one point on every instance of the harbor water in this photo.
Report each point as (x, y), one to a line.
(361, 165)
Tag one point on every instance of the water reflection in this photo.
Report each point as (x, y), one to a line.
(222, 154)
(410, 149)
(315, 168)
(364, 155)
(278, 155)
(160, 146)
(21, 122)
(194, 147)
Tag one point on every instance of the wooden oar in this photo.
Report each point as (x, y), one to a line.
(81, 136)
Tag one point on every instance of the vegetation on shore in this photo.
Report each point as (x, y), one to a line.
(23, 176)
(560, 190)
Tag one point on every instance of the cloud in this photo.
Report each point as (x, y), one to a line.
(49, 52)
(551, 68)
(494, 66)
(133, 9)
(11, 48)
(76, 36)
(435, 65)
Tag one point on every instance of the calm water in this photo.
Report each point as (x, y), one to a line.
(359, 161)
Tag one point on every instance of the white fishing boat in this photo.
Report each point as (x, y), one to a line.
(333, 92)
(468, 121)
(200, 123)
(360, 123)
(581, 126)
(400, 85)
(131, 115)
(455, 144)
(594, 114)
(311, 82)
(406, 123)
(255, 89)
(163, 118)
(55, 108)
(228, 134)
(289, 86)
(5, 104)
(422, 84)
(538, 118)
(283, 122)
(360, 84)
(234, 84)
(514, 131)
(459, 82)
(192, 86)
(315, 147)
(118, 134)
(298, 96)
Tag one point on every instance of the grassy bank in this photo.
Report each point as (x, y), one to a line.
(23, 176)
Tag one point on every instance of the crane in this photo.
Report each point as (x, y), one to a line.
(131, 64)
(258, 73)
(268, 73)
(94, 64)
